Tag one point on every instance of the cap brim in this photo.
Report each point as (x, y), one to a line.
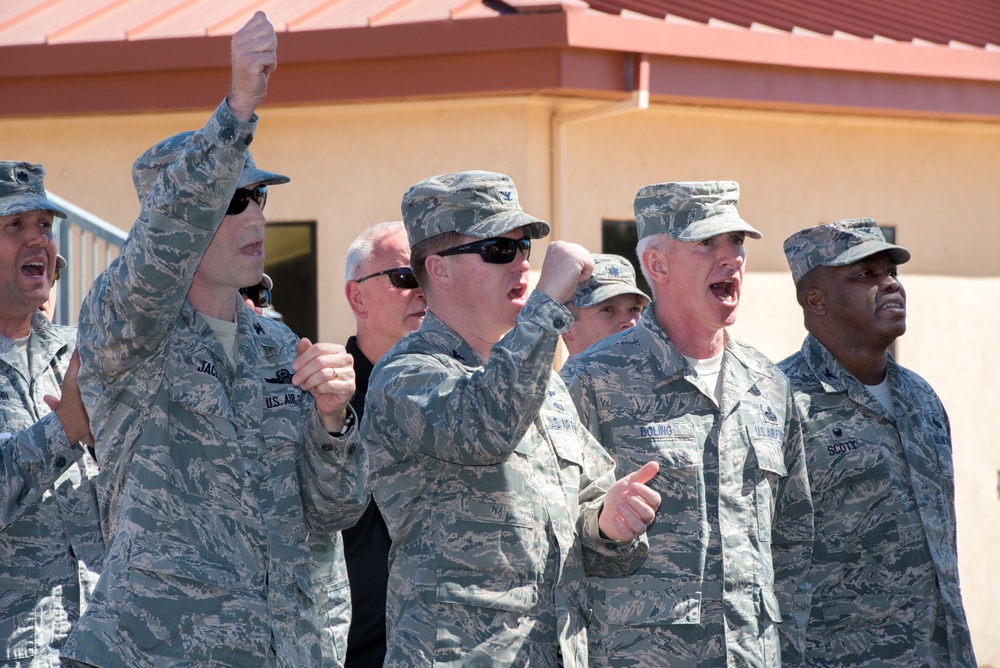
(502, 223)
(260, 177)
(29, 202)
(715, 225)
(898, 254)
(606, 292)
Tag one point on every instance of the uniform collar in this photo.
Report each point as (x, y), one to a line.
(666, 362)
(834, 378)
(434, 331)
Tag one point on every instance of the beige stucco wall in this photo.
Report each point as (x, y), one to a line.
(934, 180)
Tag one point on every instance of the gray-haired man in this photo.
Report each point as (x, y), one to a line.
(497, 500)
(884, 572)
(729, 550)
(387, 304)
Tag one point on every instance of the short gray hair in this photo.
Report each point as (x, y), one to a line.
(363, 248)
(662, 242)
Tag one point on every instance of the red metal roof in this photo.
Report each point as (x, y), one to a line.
(969, 23)
(915, 58)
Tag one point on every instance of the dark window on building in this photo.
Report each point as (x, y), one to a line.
(290, 261)
(620, 237)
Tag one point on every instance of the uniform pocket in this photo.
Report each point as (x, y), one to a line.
(770, 468)
(333, 608)
(680, 478)
(181, 608)
(483, 590)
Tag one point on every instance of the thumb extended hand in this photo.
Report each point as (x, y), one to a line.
(644, 474)
(51, 401)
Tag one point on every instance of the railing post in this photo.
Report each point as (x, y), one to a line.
(90, 231)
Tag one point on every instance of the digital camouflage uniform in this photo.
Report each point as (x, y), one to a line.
(49, 515)
(489, 485)
(884, 571)
(613, 275)
(211, 475)
(885, 568)
(730, 542)
(333, 595)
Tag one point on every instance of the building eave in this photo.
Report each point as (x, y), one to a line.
(575, 53)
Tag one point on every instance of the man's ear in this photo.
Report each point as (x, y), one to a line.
(356, 299)
(654, 261)
(438, 271)
(814, 301)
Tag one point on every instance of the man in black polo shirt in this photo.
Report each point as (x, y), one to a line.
(387, 304)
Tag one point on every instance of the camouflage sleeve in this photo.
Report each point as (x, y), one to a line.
(948, 471)
(603, 557)
(30, 462)
(333, 474)
(792, 541)
(132, 304)
(469, 418)
(584, 398)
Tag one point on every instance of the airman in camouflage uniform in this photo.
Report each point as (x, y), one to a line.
(329, 563)
(222, 438)
(604, 304)
(884, 571)
(51, 548)
(491, 489)
(729, 548)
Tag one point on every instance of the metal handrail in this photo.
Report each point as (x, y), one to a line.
(94, 234)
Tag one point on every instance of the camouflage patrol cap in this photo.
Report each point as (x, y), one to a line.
(613, 275)
(149, 165)
(838, 244)
(477, 204)
(22, 189)
(690, 211)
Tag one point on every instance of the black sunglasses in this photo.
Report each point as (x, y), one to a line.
(498, 250)
(400, 277)
(241, 199)
(258, 294)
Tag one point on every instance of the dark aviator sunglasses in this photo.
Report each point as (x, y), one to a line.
(400, 277)
(258, 294)
(498, 250)
(243, 196)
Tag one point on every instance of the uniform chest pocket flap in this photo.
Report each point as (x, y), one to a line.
(675, 444)
(485, 590)
(651, 604)
(196, 386)
(770, 456)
